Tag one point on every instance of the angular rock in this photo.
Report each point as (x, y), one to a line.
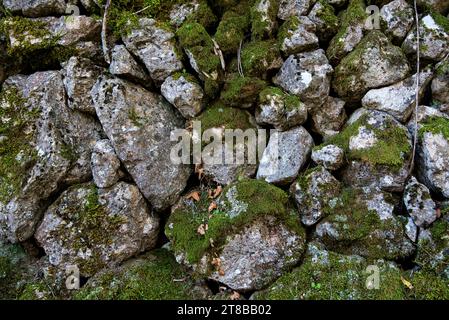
(185, 94)
(290, 8)
(124, 65)
(350, 33)
(411, 230)
(315, 192)
(397, 17)
(328, 275)
(105, 164)
(298, 35)
(330, 157)
(261, 58)
(329, 118)
(45, 145)
(306, 75)
(399, 98)
(241, 92)
(180, 12)
(264, 13)
(132, 119)
(363, 223)
(110, 226)
(246, 243)
(374, 63)
(440, 83)
(80, 75)
(419, 203)
(378, 149)
(286, 153)
(433, 154)
(323, 16)
(36, 8)
(281, 110)
(434, 43)
(156, 47)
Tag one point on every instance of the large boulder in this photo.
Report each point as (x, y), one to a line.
(285, 155)
(434, 38)
(245, 243)
(399, 98)
(44, 144)
(378, 150)
(363, 223)
(94, 228)
(306, 75)
(374, 63)
(156, 47)
(139, 124)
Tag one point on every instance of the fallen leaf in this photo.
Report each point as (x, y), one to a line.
(215, 193)
(234, 296)
(216, 262)
(212, 206)
(407, 283)
(194, 195)
(221, 272)
(202, 229)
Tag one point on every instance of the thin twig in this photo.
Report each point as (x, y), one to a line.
(104, 40)
(143, 9)
(219, 53)
(415, 138)
(239, 59)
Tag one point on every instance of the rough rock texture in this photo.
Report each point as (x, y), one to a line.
(330, 157)
(329, 118)
(397, 19)
(290, 8)
(306, 75)
(80, 76)
(134, 119)
(323, 16)
(108, 227)
(434, 42)
(285, 155)
(105, 164)
(354, 76)
(249, 240)
(184, 93)
(419, 204)
(124, 65)
(44, 145)
(315, 192)
(155, 46)
(298, 35)
(282, 111)
(36, 8)
(440, 83)
(398, 99)
(366, 225)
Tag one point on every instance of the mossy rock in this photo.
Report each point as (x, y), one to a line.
(154, 276)
(332, 276)
(263, 20)
(231, 31)
(241, 92)
(260, 58)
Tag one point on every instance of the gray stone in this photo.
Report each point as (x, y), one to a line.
(331, 157)
(36, 8)
(185, 94)
(124, 65)
(105, 164)
(299, 35)
(52, 147)
(290, 8)
(155, 46)
(397, 17)
(315, 192)
(286, 153)
(419, 203)
(264, 18)
(440, 83)
(306, 75)
(434, 43)
(353, 77)
(323, 16)
(329, 118)
(399, 98)
(411, 230)
(80, 76)
(139, 123)
(110, 226)
(280, 110)
(180, 12)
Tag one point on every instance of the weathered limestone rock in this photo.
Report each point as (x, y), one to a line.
(298, 35)
(124, 65)
(290, 8)
(329, 118)
(440, 83)
(323, 16)
(330, 157)
(419, 203)
(105, 164)
(397, 18)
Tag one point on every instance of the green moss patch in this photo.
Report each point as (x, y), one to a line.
(241, 203)
(261, 25)
(220, 116)
(231, 31)
(155, 276)
(258, 56)
(435, 125)
(291, 102)
(241, 91)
